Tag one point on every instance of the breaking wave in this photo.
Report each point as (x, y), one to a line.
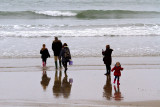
(83, 14)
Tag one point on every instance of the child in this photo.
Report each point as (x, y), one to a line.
(117, 72)
(44, 54)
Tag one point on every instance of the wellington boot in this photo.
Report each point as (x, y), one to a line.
(118, 83)
(43, 64)
(56, 64)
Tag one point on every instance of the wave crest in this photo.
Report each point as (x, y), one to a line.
(57, 13)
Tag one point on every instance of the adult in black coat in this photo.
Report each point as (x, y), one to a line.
(56, 47)
(107, 59)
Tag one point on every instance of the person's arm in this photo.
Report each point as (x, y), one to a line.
(61, 53)
(69, 53)
(53, 46)
(41, 51)
(113, 69)
(121, 68)
(48, 53)
(111, 51)
(103, 52)
(60, 44)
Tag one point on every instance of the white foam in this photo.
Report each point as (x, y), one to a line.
(63, 30)
(57, 13)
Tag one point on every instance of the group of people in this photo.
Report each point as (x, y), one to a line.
(62, 53)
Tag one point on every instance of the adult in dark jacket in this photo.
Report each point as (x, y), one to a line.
(44, 54)
(65, 55)
(56, 47)
(107, 59)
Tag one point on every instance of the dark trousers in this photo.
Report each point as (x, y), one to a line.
(116, 77)
(44, 59)
(65, 65)
(108, 69)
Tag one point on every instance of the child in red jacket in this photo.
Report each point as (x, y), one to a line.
(117, 72)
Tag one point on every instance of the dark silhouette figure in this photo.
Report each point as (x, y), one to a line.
(117, 93)
(57, 84)
(56, 47)
(45, 80)
(66, 87)
(108, 88)
(44, 55)
(107, 59)
(65, 55)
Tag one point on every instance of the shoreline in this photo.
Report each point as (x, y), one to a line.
(79, 63)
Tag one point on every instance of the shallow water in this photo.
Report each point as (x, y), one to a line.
(21, 81)
(87, 85)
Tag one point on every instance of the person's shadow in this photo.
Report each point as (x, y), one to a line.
(45, 80)
(108, 88)
(57, 84)
(117, 93)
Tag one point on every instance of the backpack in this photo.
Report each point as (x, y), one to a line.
(67, 55)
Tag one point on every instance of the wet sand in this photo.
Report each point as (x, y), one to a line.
(24, 83)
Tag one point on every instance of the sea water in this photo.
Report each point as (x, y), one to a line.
(130, 27)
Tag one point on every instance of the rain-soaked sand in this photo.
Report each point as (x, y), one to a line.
(23, 82)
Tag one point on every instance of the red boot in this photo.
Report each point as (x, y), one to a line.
(118, 82)
(43, 63)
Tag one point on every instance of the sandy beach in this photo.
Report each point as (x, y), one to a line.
(22, 83)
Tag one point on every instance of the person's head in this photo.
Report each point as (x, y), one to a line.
(118, 64)
(43, 45)
(65, 44)
(107, 47)
(56, 38)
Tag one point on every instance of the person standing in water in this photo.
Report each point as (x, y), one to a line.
(107, 59)
(44, 54)
(66, 56)
(56, 47)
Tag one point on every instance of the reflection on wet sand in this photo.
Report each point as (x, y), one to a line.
(61, 87)
(57, 84)
(108, 88)
(117, 93)
(66, 87)
(45, 80)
